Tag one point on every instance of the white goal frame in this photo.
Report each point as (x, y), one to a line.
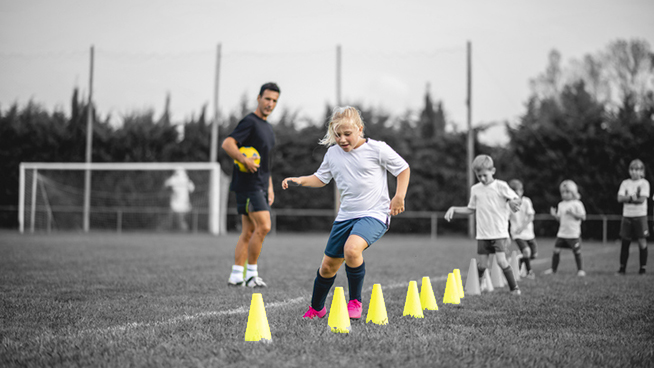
(216, 216)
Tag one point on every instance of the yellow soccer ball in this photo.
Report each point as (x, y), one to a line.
(248, 152)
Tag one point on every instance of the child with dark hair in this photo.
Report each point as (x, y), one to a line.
(633, 193)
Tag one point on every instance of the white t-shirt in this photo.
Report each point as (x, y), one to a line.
(181, 186)
(519, 219)
(361, 178)
(631, 187)
(491, 206)
(569, 227)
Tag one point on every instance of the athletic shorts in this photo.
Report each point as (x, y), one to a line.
(492, 246)
(247, 202)
(370, 229)
(523, 244)
(634, 228)
(568, 243)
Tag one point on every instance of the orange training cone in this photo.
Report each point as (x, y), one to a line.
(339, 318)
(472, 281)
(377, 308)
(412, 306)
(451, 293)
(257, 329)
(427, 298)
(458, 282)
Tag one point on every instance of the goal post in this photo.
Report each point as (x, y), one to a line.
(124, 196)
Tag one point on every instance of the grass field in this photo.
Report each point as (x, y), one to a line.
(162, 300)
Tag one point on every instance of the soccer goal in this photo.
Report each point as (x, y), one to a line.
(136, 196)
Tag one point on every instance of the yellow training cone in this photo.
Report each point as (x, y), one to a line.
(377, 308)
(486, 281)
(412, 306)
(472, 282)
(497, 276)
(451, 293)
(339, 319)
(515, 265)
(258, 329)
(459, 283)
(427, 298)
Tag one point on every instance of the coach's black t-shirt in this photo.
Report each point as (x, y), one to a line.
(255, 132)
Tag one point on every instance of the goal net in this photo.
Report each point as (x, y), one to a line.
(119, 197)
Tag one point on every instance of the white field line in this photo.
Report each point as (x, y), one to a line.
(272, 305)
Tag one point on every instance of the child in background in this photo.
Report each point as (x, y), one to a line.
(490, 201)
(634, 193)
(570, 213)
(522, 228)
(359, 166)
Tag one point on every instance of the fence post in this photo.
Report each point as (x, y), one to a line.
(604, 229)
(434, 226)
(119, 221)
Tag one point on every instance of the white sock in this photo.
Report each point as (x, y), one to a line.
(237, 273)
(251, 271)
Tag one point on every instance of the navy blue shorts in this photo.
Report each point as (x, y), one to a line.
(370, 229)
(247, 202)
(492, 246)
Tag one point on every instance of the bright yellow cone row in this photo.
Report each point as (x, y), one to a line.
(412, 306)
(339, 318)
(258, 329)
(377, 308)
(459, 283)
(451, 291)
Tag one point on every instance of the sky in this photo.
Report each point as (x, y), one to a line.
(392, 53)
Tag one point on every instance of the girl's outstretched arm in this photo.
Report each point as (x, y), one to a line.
(310, 181)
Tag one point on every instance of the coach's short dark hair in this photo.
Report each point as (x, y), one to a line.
(269, 86)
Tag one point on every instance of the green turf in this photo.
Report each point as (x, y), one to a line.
(162, 300)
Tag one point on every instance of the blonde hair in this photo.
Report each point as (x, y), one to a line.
(570, 186)
(348, 116)
(482, 162)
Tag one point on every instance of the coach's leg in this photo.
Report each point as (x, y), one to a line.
(241, 252)
(261, 224)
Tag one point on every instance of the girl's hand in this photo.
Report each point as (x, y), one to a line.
(397, 205)
(514, 204)
(553, 211)
(449, 214)
(290, 182)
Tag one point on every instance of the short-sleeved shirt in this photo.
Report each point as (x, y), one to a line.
(491, 206)
(255, 132)
(569, 227)
(361, 178)
(631, 187)
(518, 219)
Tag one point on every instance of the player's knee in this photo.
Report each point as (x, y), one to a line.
(351, 253)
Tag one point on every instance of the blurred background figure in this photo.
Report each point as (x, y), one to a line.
(180, 201)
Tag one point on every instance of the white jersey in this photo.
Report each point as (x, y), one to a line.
(181, 186)
(631, 187)
(360, 176)
(519, 219)
(569, 227)
(491, 206)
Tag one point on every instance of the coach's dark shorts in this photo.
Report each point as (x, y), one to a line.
(568, 243)
(634, 228)
(369, 228)
(492, 246)
(247, 202)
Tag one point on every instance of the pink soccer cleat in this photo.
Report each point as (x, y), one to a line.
(312, 313)
(354, 309)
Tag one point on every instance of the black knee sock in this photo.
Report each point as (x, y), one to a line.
(480, 271)
(355, 277)
(321, 288)
(580, 265)
(643, 257)
(624, 253)
(527, 263)
(556, 257)
(510, 278)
